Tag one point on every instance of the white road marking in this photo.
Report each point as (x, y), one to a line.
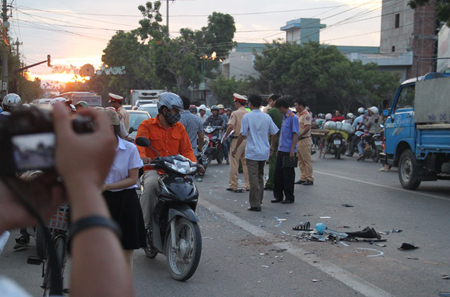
(383, 186)
(354, 282)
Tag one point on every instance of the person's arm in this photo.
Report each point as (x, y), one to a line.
(98, 265)
(143, 131)
(201, 141)
(239, 141)
(133, 175)
(294, 124)
(273, 139)
(305, 130)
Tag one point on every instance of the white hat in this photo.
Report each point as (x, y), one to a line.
(114, 97)
(240, 98)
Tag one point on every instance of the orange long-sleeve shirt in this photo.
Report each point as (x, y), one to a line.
(171, 141)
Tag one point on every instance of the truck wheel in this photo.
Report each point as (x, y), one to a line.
(408, 171)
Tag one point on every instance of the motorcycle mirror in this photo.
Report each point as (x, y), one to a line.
(143, 141)
(131, 130)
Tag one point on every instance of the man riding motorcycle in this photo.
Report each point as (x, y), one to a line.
(217, 120)
(372, 125)
(168, 137)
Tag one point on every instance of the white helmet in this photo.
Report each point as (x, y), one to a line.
(202, 107)
(361, 110)
(328, 116)
(374, 109)
(12, 100)
(58, 99)
(350, 115)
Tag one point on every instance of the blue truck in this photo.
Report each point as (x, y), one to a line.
(417, 130)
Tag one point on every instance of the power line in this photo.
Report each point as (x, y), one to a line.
(185, 15)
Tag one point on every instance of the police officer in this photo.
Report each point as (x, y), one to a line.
(116, 101)
(235, 124)
(304, 144)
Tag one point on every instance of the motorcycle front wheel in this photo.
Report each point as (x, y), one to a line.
(183, 258)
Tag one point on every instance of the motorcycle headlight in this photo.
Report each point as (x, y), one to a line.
(182, 167)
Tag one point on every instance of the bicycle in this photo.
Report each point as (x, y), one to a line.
(58, 227)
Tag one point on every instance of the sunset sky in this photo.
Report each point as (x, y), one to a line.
(76, 32)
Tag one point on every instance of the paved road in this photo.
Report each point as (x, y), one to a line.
(258, 254)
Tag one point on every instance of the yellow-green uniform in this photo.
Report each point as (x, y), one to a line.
(235, 120)
(304, 147)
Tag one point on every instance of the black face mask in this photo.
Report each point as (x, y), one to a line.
(172, 118)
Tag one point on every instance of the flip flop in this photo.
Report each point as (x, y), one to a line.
(239, 191)
(303, 227)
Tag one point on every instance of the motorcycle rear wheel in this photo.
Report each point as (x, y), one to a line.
(337, 152)
(374, 154)
(220, 156)
(183, 259)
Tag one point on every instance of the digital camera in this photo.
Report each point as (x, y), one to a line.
(27, 139)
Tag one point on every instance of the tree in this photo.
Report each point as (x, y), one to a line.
(224, 88)
(321, 75)
(442, 9)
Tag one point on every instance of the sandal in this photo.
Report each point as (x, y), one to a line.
(303, 227)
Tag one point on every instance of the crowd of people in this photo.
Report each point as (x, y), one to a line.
(252, 136)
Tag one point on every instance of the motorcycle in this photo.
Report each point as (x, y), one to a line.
(204, 158)
(338, 145)
(174, 229)
(373, 147)
(214, 139)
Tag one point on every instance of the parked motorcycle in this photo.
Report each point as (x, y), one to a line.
(174, 229)
(214, 135)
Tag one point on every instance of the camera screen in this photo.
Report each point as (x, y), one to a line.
(34, 151)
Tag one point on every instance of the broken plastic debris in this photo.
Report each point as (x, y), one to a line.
(343, 243)
(412, 258)
(264, 266)
(380, 245)
(324, 217)
(408, 246)
(336, 235)
(365, 233)
(396, 231)
(199, 179)
(261, 254)
(316, 280)
(445, 276)
(346, 205)
(320, 238)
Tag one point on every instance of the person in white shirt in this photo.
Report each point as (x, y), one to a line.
(256, 126)
(119, 191)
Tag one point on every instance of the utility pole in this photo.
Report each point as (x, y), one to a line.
(5, 50)
(167, 16)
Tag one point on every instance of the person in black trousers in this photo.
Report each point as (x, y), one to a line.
(287, 148)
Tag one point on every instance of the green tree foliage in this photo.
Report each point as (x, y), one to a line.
(153, 60)
(442, 9)
(224, 88)
(20, 82)
(321, 75)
